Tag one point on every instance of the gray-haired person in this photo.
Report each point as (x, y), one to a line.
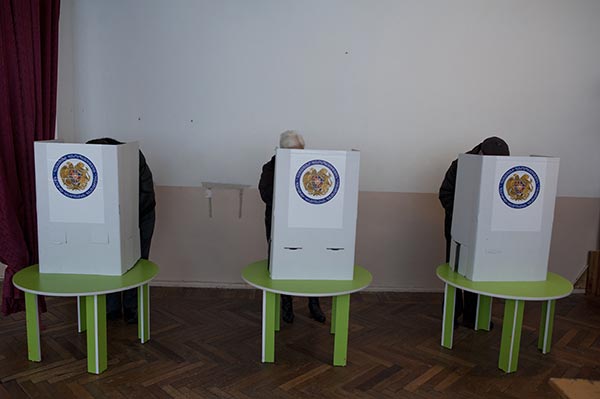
(288, 139)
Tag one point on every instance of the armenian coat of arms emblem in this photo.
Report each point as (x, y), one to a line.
(75, 176)
(519, 187)
(317, 181)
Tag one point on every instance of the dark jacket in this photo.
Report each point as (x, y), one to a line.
(265, 187)
(147, 199)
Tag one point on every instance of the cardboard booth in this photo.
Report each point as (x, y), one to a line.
(315, 200)
(87, 207)
(503, 214)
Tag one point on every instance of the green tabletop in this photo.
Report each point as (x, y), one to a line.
(257, 275)
(554, 287)
(51, 284)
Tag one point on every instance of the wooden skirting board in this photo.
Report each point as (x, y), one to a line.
(577, 388)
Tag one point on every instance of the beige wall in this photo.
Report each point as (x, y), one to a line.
(399, 237)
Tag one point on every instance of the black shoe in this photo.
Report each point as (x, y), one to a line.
(287, 309)
(114, 315)
(315, 310)
(131, 317)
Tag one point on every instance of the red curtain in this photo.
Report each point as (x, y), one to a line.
(28, 73)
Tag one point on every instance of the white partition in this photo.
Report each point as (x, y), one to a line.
(503, 214)
(314, 215)
(87, 207)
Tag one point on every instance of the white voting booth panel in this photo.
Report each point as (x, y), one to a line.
(87, 207)
(315, 201)
(503, 214)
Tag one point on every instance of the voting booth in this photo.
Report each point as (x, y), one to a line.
(503, 214)
(315, 200)
(87, 207)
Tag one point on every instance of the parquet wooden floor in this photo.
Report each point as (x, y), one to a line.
(205, 343)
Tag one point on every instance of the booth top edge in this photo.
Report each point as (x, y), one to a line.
(316, 151)
(43, 142)
(520, 157)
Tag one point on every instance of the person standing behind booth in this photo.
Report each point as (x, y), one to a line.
(127, 305)
(490, 146)
(288, 139)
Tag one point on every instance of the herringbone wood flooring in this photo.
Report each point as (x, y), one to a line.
(206, 343)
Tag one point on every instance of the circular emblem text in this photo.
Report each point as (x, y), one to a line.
(75, 176)
(519, 187)
(317, 181)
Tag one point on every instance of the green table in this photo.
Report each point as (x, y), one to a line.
(90, 291)
(257, 276)
(515, 293)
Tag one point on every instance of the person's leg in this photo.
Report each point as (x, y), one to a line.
(287, 308)
(315, 310)
(113, 306)
(130, 305)
(458, 304)
(469, 309)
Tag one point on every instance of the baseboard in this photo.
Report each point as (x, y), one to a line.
(200, 284)
(243, 286)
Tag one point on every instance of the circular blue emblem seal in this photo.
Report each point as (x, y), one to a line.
(519, 187)
(75, 176)
(317, 182)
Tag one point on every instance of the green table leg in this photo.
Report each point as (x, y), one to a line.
(546, 326)
(268, 332)
(96, 333)
(34, 350)
(448, 316)
(342, 314)
(277, 311)
(144, 313)
(484, 312)
(333, 302)
(511, 335)
(81, 314)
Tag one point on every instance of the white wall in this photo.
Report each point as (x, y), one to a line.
(206, 86)
(65, 120)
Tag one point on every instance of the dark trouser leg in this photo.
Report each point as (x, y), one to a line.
(130, 305)
(113, 305)
(315, 310)
(458, 307)
(287, 309)
(470, 308)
